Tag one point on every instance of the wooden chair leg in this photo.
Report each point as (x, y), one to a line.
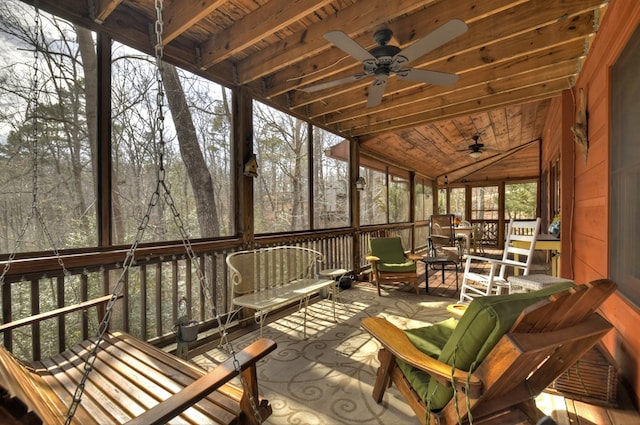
(382, 377)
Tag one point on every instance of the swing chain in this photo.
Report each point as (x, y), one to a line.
(130, 256)
(224, 340)
(32, 107)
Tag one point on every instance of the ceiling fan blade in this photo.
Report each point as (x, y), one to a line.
(377, 90)
(329, 84)
(425, 76)
(435, 39)
(348, 45)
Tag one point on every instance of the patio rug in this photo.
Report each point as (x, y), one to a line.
(328, 378)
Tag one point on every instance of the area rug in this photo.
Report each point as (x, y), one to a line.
(328, 377)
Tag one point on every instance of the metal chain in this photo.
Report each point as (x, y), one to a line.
(32, 107)
(130, 256)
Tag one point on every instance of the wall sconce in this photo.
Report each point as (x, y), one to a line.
(361, 183)
(251, 167)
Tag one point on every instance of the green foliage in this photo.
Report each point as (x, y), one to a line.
(520, 200)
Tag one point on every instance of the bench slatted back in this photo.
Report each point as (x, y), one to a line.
(256, 270)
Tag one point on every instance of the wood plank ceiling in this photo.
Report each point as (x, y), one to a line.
(514, 57)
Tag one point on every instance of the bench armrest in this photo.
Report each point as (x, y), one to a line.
(85, 305)
(372, 258)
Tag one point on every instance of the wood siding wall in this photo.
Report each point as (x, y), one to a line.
(586, 239)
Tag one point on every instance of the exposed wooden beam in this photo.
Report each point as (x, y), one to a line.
(104, 9)
(539, 91)
(179, 16)
(270, 18)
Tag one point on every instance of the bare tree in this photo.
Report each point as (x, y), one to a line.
(192, 156)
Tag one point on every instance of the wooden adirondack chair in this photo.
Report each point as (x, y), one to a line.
(552, 332)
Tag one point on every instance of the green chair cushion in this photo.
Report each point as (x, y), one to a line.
(479, 329)
(388, 250)
(407, 266)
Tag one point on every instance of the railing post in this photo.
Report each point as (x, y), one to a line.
(6, 314)
(35, 328)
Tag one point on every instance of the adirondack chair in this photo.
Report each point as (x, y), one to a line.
(131, 382)
(490, 365)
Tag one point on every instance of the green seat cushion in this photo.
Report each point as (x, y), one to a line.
(406, 266)
(479, 329)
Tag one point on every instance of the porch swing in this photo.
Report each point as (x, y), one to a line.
(115, 378)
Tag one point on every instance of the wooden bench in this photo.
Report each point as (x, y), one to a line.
(132, 382)
(270, 278)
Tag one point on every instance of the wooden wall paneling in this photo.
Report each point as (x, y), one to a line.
(590, 255)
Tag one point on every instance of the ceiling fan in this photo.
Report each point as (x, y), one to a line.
(475, 149)
(385, 59)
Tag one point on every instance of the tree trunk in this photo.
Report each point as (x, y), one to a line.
(192, 156)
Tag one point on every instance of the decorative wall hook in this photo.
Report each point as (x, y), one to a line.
(579, 129)
(251, 167)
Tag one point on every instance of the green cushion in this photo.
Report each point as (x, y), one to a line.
(485, 321)
(388, 250)
(407, 266)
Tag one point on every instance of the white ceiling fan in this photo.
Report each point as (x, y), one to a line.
(385, 59)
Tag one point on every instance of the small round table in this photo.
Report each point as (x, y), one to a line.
(443, 261)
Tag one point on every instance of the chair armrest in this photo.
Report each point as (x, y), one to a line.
(372, 258)
(481, 258)
(397, 343)
(496, 262)
(205, 385)
(414, 257)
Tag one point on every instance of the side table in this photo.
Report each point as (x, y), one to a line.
(335, 274)
(443, 261)
(533, 282)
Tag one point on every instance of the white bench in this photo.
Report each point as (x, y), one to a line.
(269, 278)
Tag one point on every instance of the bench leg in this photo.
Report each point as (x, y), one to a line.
(335, 289)
(262, 316)
(304, 326)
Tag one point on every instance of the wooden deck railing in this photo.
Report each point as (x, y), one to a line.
(151, 289)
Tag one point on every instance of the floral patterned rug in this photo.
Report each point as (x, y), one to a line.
(328, 377)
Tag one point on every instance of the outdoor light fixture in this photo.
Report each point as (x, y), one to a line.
(361, 183)
(475, 155)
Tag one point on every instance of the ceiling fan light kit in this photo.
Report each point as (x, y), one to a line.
(475, 155)
(385, 59)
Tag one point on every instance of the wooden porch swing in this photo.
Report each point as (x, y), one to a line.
(115, 378)
(131, 382)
